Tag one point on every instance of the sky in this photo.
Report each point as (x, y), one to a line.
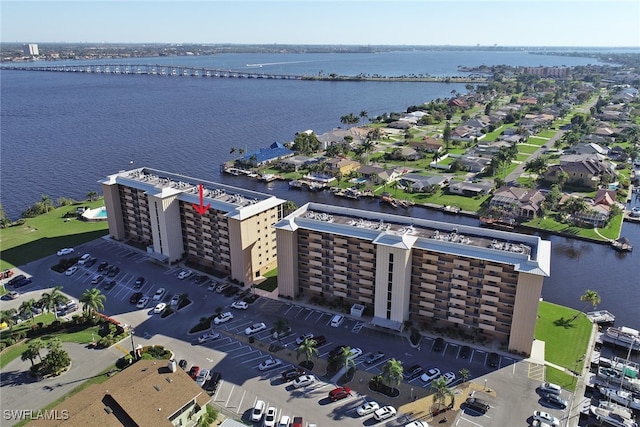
(575, 23)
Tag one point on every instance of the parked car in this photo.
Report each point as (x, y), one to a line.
(546, 418)
(209, 336)
(269, 364)
(412, 372)
(240, 305)
(185, 274)
(202, 377)
(194, 371)
(97, 279)
(320, 340)
(384, 413)
(291, 374)
(83, 259)
(71, 270)
(113, 271)
(255, 328)
(90, 262)
(303, 381)
(13, 294)
(550, 388)
(135, 297)
(212, 383)
(221, 287)
(212, 287)
(430, 375)
(355, 353)
(143, 302)
(476, 404)
(367, 408)
(175, 300)
(339, 393)
(270, 417)
(555, 400)
(183, 364)
(159, 308)
(493, 359)
(139, 283)
(102, 266)
(230, 291)
(16, 279)
(222, 318)
(257, 411)
(449, 377)
(199, 279)
(284, 421)
(373, 358)
(24, 282)
(337, 320)
(438, 344)
(465, 352)
(159, 294)
(303, 337)
(65, 251)
(110, 284)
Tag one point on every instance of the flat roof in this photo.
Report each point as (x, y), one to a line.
(527, 253)
(239, 202)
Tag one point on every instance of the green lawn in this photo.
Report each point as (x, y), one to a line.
(566, 339)
(493, 136)
(610, 231)
(528, 149)
(547, 133)
(45, 234)
(537, 141)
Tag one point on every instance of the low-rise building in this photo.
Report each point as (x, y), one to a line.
(429, 272)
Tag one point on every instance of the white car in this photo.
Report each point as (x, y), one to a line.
(384, 413)
(367, 408)
(417, 423)
(270, 417)
(202, 377)
(449, 377)
(143, 302)
(546, 418)
(175, 299)
(355, 352)
(256, 327)
(71, 270)
(284, 421)
(159, 293)
(13, 294)
(185, 274)
(270, 363)
(159, 308)
(222, 317)
(430, 375)
(209, 336)
(257, 411)
(65, 251)
(303, 337)
(240, 305)
(303, 381)
(212, 287)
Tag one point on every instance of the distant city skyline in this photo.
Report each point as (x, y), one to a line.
(569, 23)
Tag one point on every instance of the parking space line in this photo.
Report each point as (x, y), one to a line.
(241, 400)
(260, 356)
(229, 398)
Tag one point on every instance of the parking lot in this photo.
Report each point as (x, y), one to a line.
(512, 381)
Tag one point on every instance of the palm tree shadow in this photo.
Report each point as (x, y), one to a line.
(565, 323)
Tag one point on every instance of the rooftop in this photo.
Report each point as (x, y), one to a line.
(528, 253)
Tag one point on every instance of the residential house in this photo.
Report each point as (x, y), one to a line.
(470, 188)
(458, 102)
(589, 148)
(474, 164)
(526, 203)
(379, 175)
(584, 171)
(415, 183)
(341, 165)
(527, 100)
(263, 156)
(295, 163)
(427, 145)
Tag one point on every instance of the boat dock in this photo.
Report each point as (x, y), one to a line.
(602, 317)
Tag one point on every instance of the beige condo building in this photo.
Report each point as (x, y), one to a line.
(154, 209)
(403, 268)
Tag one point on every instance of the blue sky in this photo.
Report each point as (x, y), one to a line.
(604, 23)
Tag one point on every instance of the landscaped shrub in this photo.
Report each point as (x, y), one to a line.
(166, 312)
(156, 352)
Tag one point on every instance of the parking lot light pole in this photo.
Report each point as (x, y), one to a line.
(485, 384)
(133, 346)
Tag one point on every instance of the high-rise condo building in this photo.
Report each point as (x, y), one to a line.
(155, 210)
(477, 281)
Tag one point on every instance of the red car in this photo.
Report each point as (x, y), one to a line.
(194, 371)
(339, 393)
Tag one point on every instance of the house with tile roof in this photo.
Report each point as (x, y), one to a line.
(523, 201)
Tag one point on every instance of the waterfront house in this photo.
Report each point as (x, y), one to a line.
(341, 165)
(582, 170)
(415, 183)
(295, 163)
(526, 203)
(379, 175)
(263, 156)
(470, 188)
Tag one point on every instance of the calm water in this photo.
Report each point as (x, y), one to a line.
(61, 133)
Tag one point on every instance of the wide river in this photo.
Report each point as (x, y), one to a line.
(62, 132)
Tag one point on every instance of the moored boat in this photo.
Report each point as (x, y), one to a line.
(624, 336)
(614, 415)
(623, 397)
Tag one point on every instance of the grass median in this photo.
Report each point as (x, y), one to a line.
(45, 234)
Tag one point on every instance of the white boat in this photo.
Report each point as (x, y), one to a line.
(623, 397)
(616, 376)
(613, 415)
(623, 336)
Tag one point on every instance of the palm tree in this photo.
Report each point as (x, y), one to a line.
(440, 391)
(392, 372)
(51, 299)
(54, 344)
(367, 147)
(93, 301)
(27, 308)
(464, 374)
(6, 316)
(280, 326)
(591, 297)
(364, 115)
(28, 355)
(309, 349)
(46, 202)
(92, 195)
(36, 346)
(343, 358)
